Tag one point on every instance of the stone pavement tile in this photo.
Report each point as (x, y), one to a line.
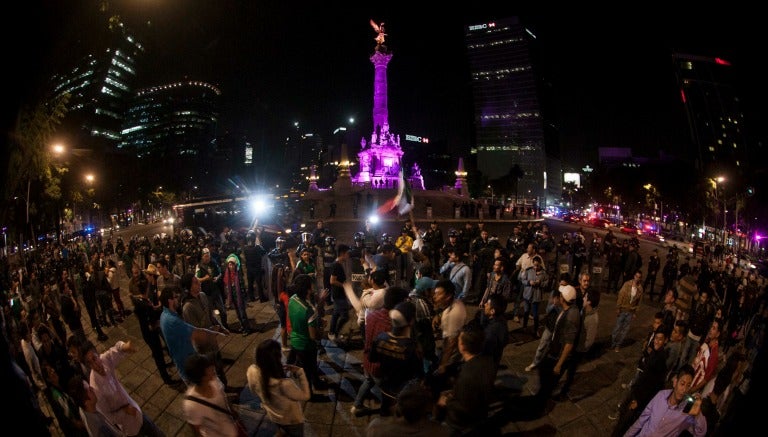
(317, 430)
(173, 425)
(348, 431)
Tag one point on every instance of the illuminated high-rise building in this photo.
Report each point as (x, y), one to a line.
(99, 85)
(173, 120)
(511, 131)
(714, 114)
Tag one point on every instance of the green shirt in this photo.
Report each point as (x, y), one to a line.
(302, 316)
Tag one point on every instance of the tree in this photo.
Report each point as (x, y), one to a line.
(29, 160)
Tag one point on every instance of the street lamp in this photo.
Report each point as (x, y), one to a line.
(720, 180)
(90, 178)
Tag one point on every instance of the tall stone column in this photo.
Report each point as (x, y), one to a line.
(380, 60)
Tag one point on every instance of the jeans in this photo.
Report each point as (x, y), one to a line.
(366, 388)
(307, 360)
(340, 315)
(621, 328)
(546, 338)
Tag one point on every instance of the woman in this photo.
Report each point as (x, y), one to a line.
(281, 394)
(236, 293)
(206, 407)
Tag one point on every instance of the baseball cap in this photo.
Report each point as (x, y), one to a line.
(424, 283)
(567, 293)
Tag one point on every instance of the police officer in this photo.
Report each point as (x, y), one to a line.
(254, 253)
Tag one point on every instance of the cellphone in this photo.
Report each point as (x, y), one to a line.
(688, 403)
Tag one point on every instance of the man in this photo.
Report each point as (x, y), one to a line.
(148, 315)
(434, 241)
(458, 273)
(112, 397)
(304, 329)
(319, 233)
(370, 241)
(630, 296)
(665, 414)
(564, 339)
(372, 298)
(166, 278)
(377, 322)
(452, 319)
(414, 407)
(196, 310)
(495, 327)
(652, 373)
(452, 244)
(498, 282)
(589, 321)
(674, 346)
(341, 304)
(254, 253)
(209, 274)
(699, 322)
(705, 362)
(521, 265)
(181, 338)
(466, 405)
(654, 264)
(481, 256)
(91, 302)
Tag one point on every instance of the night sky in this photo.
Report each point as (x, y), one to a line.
(277, 64)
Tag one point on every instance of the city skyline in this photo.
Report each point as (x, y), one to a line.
(277, 65)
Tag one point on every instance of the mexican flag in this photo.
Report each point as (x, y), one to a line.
(403, 200)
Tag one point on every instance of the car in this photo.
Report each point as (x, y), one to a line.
(629, 228)
(571, 218)
(600, 222)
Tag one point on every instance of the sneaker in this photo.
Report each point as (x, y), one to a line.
(359, 411)
(616, 349)
(530, 367)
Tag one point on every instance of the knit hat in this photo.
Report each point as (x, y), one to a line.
(403, 314)
(567, 293)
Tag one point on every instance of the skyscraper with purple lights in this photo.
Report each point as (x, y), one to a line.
(510, 129)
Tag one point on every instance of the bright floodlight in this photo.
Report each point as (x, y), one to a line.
(259, 206)
(374, 219)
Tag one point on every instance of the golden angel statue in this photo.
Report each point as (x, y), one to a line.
(379, 28)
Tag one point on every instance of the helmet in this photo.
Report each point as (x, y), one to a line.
(453, 233)
(359, 237)
(385, 238)
(279, 242)
(306, 238)
(330, 241)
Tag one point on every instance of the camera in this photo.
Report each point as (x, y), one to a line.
(688, 401)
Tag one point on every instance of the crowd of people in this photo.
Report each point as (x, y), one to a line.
(431, 316)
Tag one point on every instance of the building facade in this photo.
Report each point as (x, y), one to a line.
(100, 85)
(509, 125)
(715, 119)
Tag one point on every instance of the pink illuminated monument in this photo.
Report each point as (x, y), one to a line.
(380, 157)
